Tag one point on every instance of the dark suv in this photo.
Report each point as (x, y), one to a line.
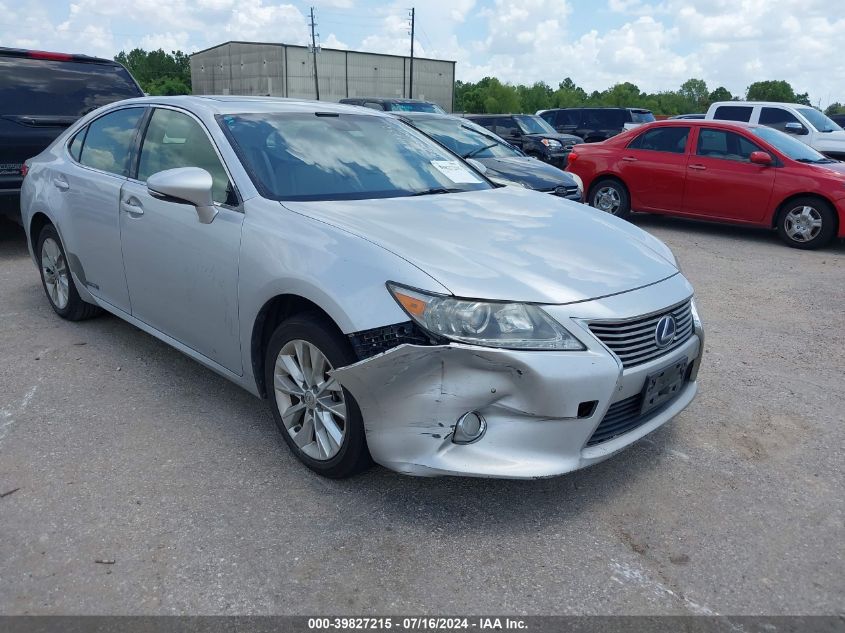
(595, 124)
(839, 119)
(531, 134)
(394, 105)
(41, 94)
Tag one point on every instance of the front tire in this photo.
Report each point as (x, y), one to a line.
(611, 196)
(319, 419)
(806, 223)
(57, 281)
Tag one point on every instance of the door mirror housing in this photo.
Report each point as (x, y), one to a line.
(185, 185)
(761, 158)
(793, 127)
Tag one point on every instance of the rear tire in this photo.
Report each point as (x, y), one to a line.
(57, 280)
(611, 196)
(806, 223)
(319, 420)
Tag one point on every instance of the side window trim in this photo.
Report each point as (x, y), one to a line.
(145, 123)
(84, 132)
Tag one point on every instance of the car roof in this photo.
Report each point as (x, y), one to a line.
(758, 103)
(385, 99)
(717, 123)
(26, 53)
(232, 104)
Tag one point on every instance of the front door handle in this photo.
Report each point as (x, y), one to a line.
(61, 184)
(699, 167)
(132, 206)
(629, 159)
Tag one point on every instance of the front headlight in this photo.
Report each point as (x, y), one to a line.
(551, 143)
(488, 323)
(578, 181)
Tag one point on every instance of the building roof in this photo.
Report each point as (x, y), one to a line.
(337, 50)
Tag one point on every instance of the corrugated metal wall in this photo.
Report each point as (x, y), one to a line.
(279, 70)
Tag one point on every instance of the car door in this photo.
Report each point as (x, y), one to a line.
(654, 167)
(87, 194)
(722, 182)
(182, 274)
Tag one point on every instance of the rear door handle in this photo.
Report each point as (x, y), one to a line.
(132, 206)
(629, 159)
(699, 167)
(61, 184)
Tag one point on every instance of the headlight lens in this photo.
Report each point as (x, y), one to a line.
(551, 143)
(487, 323)
(578, 181)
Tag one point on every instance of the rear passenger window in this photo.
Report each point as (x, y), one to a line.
(666, 139)
(725, 145)
(174, 139)
(109, 140)
(733, 113)
(567, 117)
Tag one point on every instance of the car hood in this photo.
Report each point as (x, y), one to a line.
(507, 244)
(838, 168)
(565, 139)
(527, 171)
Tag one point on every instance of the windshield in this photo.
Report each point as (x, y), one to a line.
(414, 106)
(642, 116)
(818, 120)
(789, 146)
(530, 124)
(329, 156)
(464, 139)
(41, 87)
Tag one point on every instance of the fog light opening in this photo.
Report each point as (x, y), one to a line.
(469, 428)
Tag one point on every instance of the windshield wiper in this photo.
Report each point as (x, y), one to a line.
(815, 161)
(479, 150)
(434, 190)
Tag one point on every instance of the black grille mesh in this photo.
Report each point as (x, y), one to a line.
(367, 343)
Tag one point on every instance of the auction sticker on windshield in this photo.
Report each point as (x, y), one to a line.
(454, 171)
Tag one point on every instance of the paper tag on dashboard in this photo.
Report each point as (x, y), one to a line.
(454, 171)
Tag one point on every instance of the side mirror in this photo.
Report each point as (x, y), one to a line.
(477, 165)
(796, 128)
(185, 185)
(761, 158)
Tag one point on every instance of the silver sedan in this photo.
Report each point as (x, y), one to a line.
(390, 302)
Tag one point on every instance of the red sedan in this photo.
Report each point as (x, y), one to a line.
(715, 170)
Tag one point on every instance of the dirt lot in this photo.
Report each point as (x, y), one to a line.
(121, 449)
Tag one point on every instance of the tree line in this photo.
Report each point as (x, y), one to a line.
(491, 96)
(161, 73)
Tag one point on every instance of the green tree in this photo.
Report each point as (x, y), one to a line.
(772, 90)
(835, 108)
(568, 95)
(720, 94)
(694, 92)
(157, 72)
(537, 96)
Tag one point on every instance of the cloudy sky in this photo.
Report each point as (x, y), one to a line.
(656, 44)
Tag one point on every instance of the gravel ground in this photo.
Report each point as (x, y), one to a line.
(121, 449)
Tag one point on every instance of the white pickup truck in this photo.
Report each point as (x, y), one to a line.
(809, 125)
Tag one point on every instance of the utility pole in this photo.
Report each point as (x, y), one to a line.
(411, 80)
(314, 54)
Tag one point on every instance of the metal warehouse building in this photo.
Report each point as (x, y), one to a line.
(284, 70)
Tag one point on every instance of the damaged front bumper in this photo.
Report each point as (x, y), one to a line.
(541, 407)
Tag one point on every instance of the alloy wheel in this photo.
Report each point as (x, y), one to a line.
(607, 199)
(55, 271)
(803, 224)
(311, 403)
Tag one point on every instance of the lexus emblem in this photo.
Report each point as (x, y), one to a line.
(664, 333)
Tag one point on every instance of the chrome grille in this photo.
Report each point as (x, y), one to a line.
(633, 340)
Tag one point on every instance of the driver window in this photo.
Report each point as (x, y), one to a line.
(174, 139)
